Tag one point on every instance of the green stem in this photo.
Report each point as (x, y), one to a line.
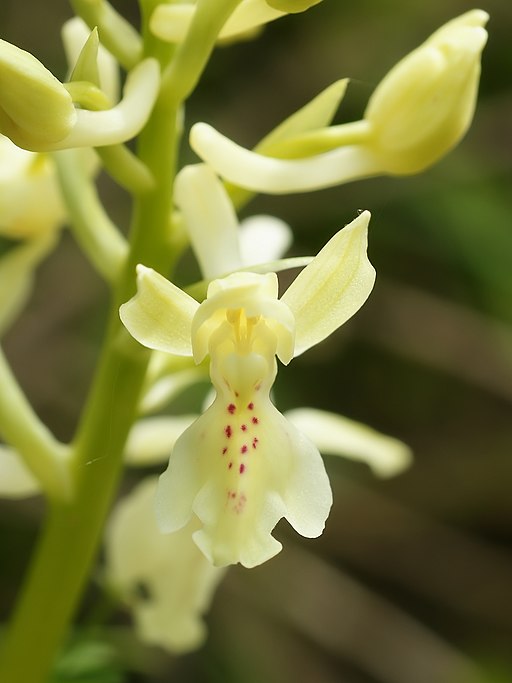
(183, 73)
(126, 168)
(72, 531)
(94, 231)
(23, 430)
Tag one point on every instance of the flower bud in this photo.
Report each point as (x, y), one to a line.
(35, 108)
(425, 104)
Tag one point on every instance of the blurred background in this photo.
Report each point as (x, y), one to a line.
(412, 580)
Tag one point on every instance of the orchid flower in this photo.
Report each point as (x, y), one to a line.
(165, 580)
(241, 466)
(172, 22)
(37, 112)
(419, 111)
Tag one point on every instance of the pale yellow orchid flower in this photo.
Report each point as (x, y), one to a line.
(242, 466)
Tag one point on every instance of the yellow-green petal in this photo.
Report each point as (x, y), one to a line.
(210, 220)
(260, 173)
(122, 122)
(160, 315)
(334, 434)
(333, 286)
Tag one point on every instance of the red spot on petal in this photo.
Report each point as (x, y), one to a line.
(230, 465)
(255, 442)
(243, 428)
(228, 431)
(250, 406)
(255, 420)
(231, 408)
(224, 450)
(233, 494)
(242, 468)
(243, 449)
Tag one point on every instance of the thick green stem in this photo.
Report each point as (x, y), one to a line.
(72, 531)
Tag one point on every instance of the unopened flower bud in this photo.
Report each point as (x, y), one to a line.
(425, 104)
(35, 108)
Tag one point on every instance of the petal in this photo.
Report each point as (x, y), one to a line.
(179, 484)
(333, 286)
(210, 220)
(152, 439)
(280, 176)
(160, 315)
(308, 496)
(263, 239)
(122, 122)
(257, 295)
(165, 580)
(317, 113)
(240, 470)
(337, 435)
(16, 481)
(75, 33)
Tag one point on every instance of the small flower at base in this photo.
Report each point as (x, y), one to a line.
(165, 580)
